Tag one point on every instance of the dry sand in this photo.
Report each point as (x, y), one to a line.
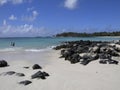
(63, 75)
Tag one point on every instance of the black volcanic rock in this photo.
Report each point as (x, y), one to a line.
(26, 82)
(40, 74)
(9, 73)
(36, 66)
(113, 62)
(3, 63)
(103, 61)
(20, 74)
(93, 50)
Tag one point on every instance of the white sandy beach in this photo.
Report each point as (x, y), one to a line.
(63, 75)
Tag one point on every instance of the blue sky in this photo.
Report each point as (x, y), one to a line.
(47, 17)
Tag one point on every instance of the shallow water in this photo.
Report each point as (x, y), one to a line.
(41, 44)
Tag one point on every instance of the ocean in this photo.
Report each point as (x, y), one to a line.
(44, 43)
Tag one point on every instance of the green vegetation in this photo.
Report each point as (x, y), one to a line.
(75, 34)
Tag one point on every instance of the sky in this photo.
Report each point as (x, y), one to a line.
(26, 18)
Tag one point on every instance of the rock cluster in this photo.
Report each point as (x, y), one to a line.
(14, 73)
(92, 50)
(38, 75)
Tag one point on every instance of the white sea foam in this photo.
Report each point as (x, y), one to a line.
(21, 49)
(39, 50)
(34, 50)
(10, 49)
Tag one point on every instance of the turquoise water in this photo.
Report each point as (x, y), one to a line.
(42, 43)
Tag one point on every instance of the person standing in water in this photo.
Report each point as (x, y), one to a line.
(13, 44)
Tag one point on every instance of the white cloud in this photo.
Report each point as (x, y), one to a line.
(31, 17)
(17, 1)
(25, 30)
(2, 2)
(35, 13)
(12, 17)
(70, 4)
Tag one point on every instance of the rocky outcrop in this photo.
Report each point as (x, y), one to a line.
(94, 50)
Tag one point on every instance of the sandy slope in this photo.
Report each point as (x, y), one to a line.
(63, 75)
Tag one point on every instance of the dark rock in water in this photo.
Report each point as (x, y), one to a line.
(10, 73)
(38, 75)
(26, 82)
(20, 74)
(113, 62)
(36, 66)
(103, 61)
(3, 63)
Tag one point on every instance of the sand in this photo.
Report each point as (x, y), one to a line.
(63, 75)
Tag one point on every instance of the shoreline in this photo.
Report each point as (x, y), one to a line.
(63, 75)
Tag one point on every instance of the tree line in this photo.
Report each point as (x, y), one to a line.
(75, 34)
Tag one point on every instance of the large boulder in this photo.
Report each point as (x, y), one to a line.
(75, 58)
(40, 74)
(36, 66)
(67, 53)
(3, 63)
(95, 49)
(87, 58)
